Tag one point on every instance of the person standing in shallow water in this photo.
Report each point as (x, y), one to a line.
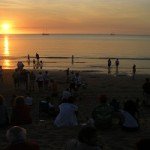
(28, 59)
(34, 64)
(117, 65)
(133, 71)
(37, 57)
(72, 59)
(109, 65)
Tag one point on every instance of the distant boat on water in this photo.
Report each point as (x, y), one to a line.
(45, 31)
(112, 34)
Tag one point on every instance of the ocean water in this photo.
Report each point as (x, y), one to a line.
(90, 51)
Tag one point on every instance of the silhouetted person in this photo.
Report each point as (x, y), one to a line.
(28, 59)
(72, 59)
(117, 65)
(133, 71)
(20, 112)
(41, 64)
(37, 57)
(34, 64)
(109, 65)
(129, 116)
(32, 78)
(4, 119)
(67, 74)
(117, 62)
(87, 140)
(17, 139)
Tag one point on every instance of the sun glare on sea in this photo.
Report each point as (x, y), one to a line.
(5, 27)
(6, 46)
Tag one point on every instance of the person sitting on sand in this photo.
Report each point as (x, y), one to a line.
(143, 144)
(47, 106)
(17, 138)
(66, 94)
(87, 140)
(4, 120)
(67, 114)
(28, 100)
(20, 112)
(115, 105)
(128, 116)
(102, 114)
(146, 91)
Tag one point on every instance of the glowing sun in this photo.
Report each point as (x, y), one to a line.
(6, 27)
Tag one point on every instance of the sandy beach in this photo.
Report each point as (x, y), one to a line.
(51, 138)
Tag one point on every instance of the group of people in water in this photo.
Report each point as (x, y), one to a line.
(117, 63)
(37, 63)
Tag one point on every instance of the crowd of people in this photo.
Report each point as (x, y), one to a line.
(65, 112)
(66, 115)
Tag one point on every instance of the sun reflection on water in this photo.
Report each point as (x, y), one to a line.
(6, 46)
(6, 53)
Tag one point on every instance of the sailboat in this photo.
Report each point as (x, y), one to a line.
(45, 32)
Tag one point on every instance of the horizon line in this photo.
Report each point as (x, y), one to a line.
(111, 34)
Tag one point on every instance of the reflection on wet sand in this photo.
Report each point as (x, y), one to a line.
(6, 64)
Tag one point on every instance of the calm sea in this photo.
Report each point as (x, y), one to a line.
(90, 51)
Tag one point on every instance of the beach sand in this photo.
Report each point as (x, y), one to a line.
(52, 138)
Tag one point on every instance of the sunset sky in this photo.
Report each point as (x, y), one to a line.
(76, 16)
